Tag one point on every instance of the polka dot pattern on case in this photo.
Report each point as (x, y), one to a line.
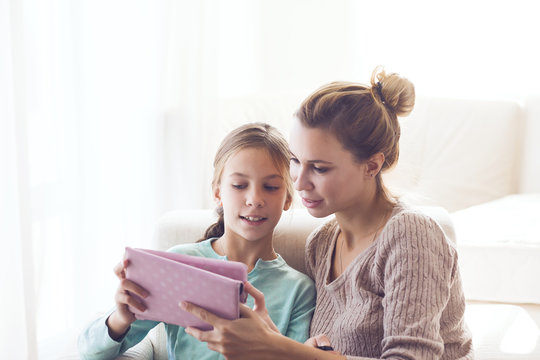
(172, 278)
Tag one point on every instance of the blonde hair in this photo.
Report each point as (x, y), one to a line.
(363, 118)
(253, 135)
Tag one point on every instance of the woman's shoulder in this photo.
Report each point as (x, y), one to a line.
(322, 234)
(410, 224)
(318, 244)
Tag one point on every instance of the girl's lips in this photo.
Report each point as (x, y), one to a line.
(310, 204)
(253, 220)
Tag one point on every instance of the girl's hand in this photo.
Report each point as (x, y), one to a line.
(121, 319)
(260, 306)
(245, 338)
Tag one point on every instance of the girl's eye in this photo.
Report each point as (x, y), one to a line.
(320, 170)
(271, 188)
(239, 187)
(295, 160)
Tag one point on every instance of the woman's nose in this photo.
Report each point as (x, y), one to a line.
(301, 180)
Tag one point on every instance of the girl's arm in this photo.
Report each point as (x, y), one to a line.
(250, 337)
(105, 338)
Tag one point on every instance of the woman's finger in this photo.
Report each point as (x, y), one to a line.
(205, 336)
(322, 340)
(201, 313)
(246, 311)
(257, 295)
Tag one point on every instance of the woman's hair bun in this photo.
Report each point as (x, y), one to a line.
(393, 90)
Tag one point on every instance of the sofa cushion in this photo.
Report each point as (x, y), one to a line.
(499, 249)
(458, 153)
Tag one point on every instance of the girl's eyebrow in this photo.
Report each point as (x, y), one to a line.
(272, 176)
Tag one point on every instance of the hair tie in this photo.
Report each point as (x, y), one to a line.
(379, 91)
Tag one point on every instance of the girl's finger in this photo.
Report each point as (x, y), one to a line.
(119, 271)
(134, 288)
(129, 300)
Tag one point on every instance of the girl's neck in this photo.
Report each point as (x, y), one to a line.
(247, 252)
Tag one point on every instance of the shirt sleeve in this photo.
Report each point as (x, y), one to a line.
(95, 343)
(302, 312)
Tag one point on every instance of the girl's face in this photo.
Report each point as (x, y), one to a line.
(253, 194)
(326, 176)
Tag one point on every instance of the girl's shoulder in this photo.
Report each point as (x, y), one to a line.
(203, 248)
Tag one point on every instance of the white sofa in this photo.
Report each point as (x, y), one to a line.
(477, 159)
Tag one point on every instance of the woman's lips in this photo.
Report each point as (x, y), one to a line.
(310, 204)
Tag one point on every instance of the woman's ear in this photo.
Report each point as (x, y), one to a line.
(374, 164)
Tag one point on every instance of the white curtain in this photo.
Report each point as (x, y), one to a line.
(111, 111)
(99, 103)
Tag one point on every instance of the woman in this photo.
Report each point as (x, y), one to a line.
(387, 279)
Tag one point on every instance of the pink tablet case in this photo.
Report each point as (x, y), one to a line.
(170, 278)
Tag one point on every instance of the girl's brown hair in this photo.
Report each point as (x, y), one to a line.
(363, 118)
(253, 135)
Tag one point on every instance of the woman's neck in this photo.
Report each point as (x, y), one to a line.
(359, 224)
(245, 251)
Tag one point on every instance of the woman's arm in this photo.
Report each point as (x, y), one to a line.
(250, 337)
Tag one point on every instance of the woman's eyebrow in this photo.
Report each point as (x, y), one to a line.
(319, 162)
(314, 161)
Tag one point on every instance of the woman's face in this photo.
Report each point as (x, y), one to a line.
(326, 176)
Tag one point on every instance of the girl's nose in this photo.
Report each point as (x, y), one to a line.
(255, 199)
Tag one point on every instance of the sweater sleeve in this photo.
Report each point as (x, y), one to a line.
(417, 268)
(418, 273)
(95, 343)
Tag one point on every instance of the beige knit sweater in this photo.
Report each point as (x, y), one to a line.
(401, 298)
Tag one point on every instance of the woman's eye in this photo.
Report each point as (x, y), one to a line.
(320, 170)
(239, 186)
(295, 160)
(271, 188)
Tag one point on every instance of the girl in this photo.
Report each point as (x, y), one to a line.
(251, 186)
(387, 279)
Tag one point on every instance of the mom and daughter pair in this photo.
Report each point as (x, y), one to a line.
(382, 279)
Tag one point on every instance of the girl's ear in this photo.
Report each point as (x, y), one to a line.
(288, 203)
(217, 196)
(374, 164)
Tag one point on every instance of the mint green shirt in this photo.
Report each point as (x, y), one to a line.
(288, 293)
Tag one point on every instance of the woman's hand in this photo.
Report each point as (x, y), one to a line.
(259, 306)
(321, 341)
(121, 319)
(245, 338)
